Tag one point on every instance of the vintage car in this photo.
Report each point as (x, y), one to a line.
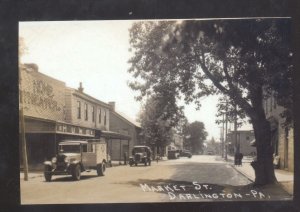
(185, 153)
(173, 154)
(140, 154)
(76, 156)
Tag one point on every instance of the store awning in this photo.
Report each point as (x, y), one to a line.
(253, 143)
(114, 135)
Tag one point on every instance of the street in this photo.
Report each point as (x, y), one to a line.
(200, 178)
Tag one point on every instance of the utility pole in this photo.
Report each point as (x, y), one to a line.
(223, 144)
(22, 126)
(226, 145)
(235, 131)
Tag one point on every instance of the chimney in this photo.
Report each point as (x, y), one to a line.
(80, 87)
(112, 105)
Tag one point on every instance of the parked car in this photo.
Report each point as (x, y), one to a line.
(210, 152)
(76, 156)
(140, 154)
(185, 153)
(173, 154)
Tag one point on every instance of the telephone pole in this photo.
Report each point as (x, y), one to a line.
(226, 145)
(223, 141)
(22, 130)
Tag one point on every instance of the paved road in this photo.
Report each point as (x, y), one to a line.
(138, 184)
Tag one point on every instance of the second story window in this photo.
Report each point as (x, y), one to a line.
(93, 113)
(105, 117)
(99, 114)
(86, 112)
(78, 109)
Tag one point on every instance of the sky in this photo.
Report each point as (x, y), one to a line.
(96, 54)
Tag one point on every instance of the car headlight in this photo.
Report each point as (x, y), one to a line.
(67, 160)
(54, 160)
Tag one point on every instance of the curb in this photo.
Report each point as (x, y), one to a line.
(242, 173)
(31, 177)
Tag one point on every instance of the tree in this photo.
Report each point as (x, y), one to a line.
(243, 60)
(157, 127)
(195, 136)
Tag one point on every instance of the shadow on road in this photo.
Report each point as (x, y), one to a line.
(69, 178)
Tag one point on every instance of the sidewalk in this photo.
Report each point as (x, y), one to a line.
(285, 178)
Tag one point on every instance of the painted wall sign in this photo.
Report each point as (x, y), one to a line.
(43, 96)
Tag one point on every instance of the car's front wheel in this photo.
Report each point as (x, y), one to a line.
(101, 169)
(47, 173)
(76, 172)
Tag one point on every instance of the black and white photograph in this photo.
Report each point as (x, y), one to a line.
(152, 111)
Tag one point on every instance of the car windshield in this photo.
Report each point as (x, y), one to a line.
(69, 148)
(139, 150)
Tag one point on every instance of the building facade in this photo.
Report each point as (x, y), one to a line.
(43, 106)
(243, 143)
(122, 124)
(282, 137)
(54, 112)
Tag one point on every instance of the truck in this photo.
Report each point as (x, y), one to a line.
(77, 156)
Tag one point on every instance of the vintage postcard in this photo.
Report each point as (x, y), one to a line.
(135, 111)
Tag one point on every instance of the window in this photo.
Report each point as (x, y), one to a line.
(93, 114)
(78, 109)
(84, 147)
(90, 147)
(86, 111)
(99, 115)
(105, 117)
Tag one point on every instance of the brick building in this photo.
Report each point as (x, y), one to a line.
(282, 137)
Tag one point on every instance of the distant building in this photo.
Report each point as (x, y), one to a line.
(282, 137)
(243, 143)
(124, 125)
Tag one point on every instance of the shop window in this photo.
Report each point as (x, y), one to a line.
(90, 147)
(78, 109)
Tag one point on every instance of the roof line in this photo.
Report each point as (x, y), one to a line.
(124, 118)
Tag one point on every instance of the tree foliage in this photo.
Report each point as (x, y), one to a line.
(195, 135)
(157, 127)
(236, 58)
(244, 60)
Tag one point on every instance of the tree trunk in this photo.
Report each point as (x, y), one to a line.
(263, 167)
